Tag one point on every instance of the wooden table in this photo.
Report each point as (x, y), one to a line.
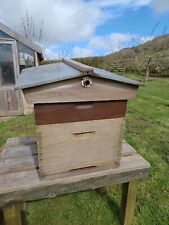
(20, 181)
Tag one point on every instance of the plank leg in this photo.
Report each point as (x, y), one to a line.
(23, 206)
(128, 200)
(12, 214)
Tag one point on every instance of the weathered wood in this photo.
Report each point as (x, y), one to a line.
(27, 146)
(21, 141)
(27, 185)
(12, 214)
(23, 207)
(79, 144)
(73, 112)
(19, 151)
(129, 191)
(22, 164)
(72, 91)
(24, 157)
(36, 59)
(77, 65)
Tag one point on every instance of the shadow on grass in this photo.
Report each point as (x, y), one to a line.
(114, 207)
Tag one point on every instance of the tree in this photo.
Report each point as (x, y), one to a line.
(150, 60)
(29, 29)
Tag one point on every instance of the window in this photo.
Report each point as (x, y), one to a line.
(7, 76)
(4, 35)
(26, 56)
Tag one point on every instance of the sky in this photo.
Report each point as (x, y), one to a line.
(81, 28)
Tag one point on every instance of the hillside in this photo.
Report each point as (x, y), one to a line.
(156, 52)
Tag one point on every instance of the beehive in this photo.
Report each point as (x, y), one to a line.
(79, 114)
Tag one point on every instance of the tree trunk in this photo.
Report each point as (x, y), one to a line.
(147, 75)
(124, 71)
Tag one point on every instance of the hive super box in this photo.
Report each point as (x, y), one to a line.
(79, 114)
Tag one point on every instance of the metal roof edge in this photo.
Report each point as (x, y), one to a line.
(18, 87)
(116, 77)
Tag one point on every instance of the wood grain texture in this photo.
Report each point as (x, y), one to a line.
(19, 151)
(23, 156)
(72, 112)
(12, 214)
(26, 185)
(79, 144)
(72, 91)
(129, 191)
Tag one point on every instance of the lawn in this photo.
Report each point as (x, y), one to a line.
(147, 129)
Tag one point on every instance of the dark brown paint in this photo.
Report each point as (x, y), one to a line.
(53, 113)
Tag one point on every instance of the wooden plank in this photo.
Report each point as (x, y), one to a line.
(26, 146)
(18, 164)
(3, 105)
(79, 144)
(12, 214)
(127, 149)
(21, 141)
(22, 158)
(72, 91)
(27, 185)
(72, 112)
(18, 151)
(129, 191)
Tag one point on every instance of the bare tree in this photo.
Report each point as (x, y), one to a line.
(66, 51)
(29, 29)
(149, 58)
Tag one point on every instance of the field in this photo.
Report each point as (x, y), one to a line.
(147, 130)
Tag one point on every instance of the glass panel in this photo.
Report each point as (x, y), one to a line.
(4, 35)
(26, 56)
(7, 76)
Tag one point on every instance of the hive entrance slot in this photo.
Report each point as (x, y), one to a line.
(83, 168)
(84, 133)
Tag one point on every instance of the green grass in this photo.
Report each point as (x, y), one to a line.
(147, 129)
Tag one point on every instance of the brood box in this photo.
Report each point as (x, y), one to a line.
(79, 113)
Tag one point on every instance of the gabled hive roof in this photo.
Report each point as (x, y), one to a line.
(64, 70)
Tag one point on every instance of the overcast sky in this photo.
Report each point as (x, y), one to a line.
(89, 27)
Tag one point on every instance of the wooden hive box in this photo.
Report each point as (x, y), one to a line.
(79, 114)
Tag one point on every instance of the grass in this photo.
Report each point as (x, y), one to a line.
(147, 129)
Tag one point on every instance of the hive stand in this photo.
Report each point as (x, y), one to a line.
(20, 181)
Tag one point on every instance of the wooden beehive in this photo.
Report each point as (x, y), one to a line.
(79, 114)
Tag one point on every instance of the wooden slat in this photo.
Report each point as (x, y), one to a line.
(26, 146)
(18, 164)
(24, 157)
(27, 185)
(129, 191)
(21, 141)
(79, 144)
(18, 151)
(73, 112)
(12, 214)
(73, 91)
